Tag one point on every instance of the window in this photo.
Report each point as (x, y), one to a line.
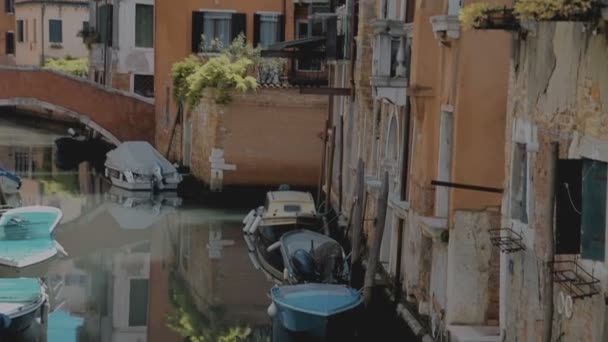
(519, 183)
(210, 29)
(144, 26)
(454, 7)
(9, 43)
(580, 211)
(217, 26)
(143, 85)
(308, 64)
(20, 34)
(104, 23)
(85, 26)
(138, 302)
(55, 31)
(268, 29)
(9, 6)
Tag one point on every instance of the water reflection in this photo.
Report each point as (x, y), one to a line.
(139, 267)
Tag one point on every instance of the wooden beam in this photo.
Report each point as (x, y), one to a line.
(326, 91)
(467, 187)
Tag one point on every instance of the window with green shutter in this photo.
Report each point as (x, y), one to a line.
(144, 26)
(593, 223)
(55, 31)
(138, 302)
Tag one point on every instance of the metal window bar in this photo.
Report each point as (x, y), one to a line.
(507, 240)
(574, 279)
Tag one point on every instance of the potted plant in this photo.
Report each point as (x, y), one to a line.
(89, 36)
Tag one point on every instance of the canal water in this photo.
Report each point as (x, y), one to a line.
(143, 268)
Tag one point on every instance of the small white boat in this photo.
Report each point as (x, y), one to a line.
(140, 210)
(20, 301)
(9, 182)
(136, 165)
(26, 235)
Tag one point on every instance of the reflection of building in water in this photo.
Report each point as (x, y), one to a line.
(216, 275)
(69, 287)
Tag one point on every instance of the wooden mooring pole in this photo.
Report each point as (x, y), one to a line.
(374, 255)
(356, 279)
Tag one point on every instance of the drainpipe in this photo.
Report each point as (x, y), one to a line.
(549, 250)
(42, 58)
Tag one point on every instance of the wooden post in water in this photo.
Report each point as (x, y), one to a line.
(374, 255)
(356, 278)
(322, 172)
(330, 170)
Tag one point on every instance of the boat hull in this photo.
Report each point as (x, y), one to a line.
(338, 327)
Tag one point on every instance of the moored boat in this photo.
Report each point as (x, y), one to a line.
(10, 183)
(20, 301)
(26, 235)
(326, 311)
(136, 165)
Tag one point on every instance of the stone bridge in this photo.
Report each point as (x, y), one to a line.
(115, 114)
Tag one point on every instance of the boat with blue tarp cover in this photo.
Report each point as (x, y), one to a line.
(26, 235)
(20, 301)
(327, 311)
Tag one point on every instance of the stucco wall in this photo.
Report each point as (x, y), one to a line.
(36, 34)
(557, 93)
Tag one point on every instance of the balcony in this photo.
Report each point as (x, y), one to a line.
(391, 62)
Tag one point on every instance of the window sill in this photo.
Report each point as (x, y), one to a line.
(393, 27)
(446, 25)
(389, 82)
(434, 228)
(146, 49)
(56, 46)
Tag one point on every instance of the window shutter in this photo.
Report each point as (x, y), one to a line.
(593, 232)
(331, 37)
(568, 206)
(281, 37)
(256, 29)
(239, 25)
(10, 43)
(198, 19)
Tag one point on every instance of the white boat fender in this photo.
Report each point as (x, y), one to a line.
(272, 310)
(254, 261)
(129, 176)
(250, 245)
(255, 224)
(273, 246)
(285, 274)
(249, 216)
(248, 224)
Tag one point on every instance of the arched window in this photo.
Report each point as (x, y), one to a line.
(392, 141)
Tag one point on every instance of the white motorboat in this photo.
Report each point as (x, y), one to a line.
(136, 165)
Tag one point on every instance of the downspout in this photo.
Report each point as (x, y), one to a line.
(42, 58)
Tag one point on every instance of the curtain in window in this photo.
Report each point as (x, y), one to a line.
(217, 25)
(144, 26)
(593, 241)
(269, 28)
(55, 31)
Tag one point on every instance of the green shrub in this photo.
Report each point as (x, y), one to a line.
(74, 66)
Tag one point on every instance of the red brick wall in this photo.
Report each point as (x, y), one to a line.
(128, 118)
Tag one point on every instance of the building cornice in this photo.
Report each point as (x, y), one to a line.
(55, 3)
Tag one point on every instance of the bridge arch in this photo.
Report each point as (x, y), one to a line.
(116, 115)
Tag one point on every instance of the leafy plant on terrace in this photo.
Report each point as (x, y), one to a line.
(230, 70)
(471, 15)
(89, 36)
(75, 66)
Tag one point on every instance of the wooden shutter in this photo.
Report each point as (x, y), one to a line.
(256, 29)
(239, 25)
(10, 43)
(281, 37)
(594, 210)
(568, 197)
(198, 19)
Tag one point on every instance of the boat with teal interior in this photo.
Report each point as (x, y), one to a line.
(26, 235)
(315, 311)
(20, 302)
(10, 183)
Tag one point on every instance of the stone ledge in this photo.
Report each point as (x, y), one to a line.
(446, 24)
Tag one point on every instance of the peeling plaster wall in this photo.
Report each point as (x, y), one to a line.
(559, 85)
